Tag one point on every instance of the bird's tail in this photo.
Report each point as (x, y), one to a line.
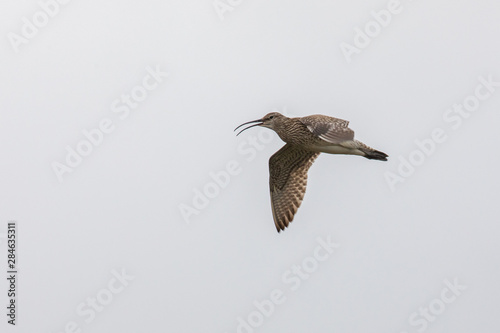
(369, 152)
(373, 154)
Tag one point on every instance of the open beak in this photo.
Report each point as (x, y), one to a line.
(260, 122)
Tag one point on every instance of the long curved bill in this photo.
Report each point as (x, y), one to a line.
(249, 122)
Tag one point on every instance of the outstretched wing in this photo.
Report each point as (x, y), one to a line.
(287, 181)
(330, 129)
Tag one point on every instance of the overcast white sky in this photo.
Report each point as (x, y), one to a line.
(103, 245)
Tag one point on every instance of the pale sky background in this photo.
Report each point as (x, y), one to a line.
(119, 210)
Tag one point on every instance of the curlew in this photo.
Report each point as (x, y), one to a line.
(305, 139)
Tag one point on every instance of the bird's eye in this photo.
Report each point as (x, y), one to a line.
(271, 117)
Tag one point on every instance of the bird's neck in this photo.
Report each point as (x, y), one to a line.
(286, 129)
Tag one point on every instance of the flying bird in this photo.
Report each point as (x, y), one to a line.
(305, 139)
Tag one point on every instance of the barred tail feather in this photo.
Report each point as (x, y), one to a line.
(373, 154)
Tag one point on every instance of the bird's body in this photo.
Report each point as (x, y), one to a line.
(305, 139)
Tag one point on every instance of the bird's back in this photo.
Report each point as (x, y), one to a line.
(319, 118)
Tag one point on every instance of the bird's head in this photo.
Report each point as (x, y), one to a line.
(269, 120)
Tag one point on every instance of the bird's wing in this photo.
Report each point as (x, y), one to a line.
(330, 129)
(287, 181)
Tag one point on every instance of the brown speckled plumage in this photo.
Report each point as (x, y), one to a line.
(287, 181)
(305, 139)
